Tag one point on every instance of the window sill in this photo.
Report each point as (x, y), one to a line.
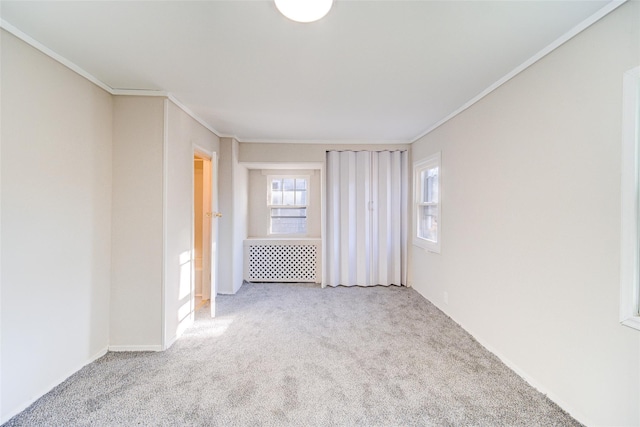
(632, 322)
(280, 238)
(433, 248)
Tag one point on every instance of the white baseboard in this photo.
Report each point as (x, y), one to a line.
(44, 390)
(535, 384)
(580, 417)
(183, 326)
(98, 355)
(135, 347)
(170, 342)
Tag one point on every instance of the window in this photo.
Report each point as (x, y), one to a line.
(427, 203)
(630, 209)
(288, 196)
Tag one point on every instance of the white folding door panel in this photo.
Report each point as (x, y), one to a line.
(388, 218)
(366, 218)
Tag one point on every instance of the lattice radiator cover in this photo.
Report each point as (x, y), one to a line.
(282, 262)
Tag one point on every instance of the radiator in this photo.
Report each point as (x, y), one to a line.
(269, 260)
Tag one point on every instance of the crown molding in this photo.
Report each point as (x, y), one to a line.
(144, 92)
(61, 59)
(193, 115)
(610, 7)
(326, 141)
(93, 79)
(139, 92)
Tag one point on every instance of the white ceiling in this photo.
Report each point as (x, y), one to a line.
(370, 71)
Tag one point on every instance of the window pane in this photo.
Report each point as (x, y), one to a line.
(424, 197)
(276, 197)
(288, 184)
(433, 185)
(288, 225)
(428, 223)
(301, 197)
(301, 184)
(430, 186)
(276, 184)
(289, 212)
(288, 198)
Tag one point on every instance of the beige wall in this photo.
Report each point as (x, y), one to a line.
(301, 153)
(137, 254)
(154, 144)
(56, 223)
(233, 199)
(531, 224)
(240, 223)
(258, 213)
(88, 182)
(183, 135)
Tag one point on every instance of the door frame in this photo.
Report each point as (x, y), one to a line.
(211, 283)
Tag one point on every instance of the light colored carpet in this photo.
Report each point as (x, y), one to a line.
(298, 355)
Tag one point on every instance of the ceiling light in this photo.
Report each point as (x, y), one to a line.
(304, 10)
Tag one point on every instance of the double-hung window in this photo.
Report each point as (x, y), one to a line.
(427, 203)
(630, 191)
(288, 200)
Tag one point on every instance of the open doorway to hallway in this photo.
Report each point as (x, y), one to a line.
(204, 231)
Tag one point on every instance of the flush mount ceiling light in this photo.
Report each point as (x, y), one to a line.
(304, 10)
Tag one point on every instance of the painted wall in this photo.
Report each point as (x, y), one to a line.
(531, 224)
(258, 213)
(137, 256)
(240, 223)
(233, 202)
(183, 134)
(299, 153)
(152, 235)
(56, 223)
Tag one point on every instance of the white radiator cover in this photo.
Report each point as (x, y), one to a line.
(276, 260)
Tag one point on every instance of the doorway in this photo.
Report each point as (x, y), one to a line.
(204, 230)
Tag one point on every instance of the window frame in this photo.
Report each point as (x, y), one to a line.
(270, 206)
(431, 162)
(630, 202)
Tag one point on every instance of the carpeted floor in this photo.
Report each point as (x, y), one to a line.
(298, 355)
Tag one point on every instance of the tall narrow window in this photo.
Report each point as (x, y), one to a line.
(427, 203)
(288, 197)
(630, 191)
